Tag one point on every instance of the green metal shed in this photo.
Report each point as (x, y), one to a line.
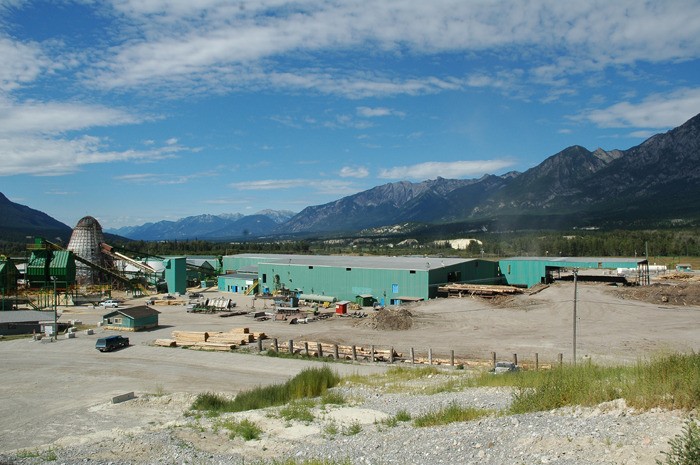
(131, 318)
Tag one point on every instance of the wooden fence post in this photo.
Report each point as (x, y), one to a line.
(515, 359)
(335, 351)
(371, 359)
(561, 360)
(274, 345)
(430, 356)
(291, 346)
(319, 348)
(259, 345)
(452, 358)
(413, 356)
(493, 359)
(354, 353)
(306, 348)
(537, 361)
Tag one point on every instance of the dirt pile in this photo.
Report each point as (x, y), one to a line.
(685, 293)
(392, 320)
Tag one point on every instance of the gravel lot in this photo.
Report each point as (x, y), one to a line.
(57, 396)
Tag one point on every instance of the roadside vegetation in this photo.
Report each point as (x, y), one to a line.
(311, 382)
(669, 382)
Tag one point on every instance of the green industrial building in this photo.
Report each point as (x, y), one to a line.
(388, 280)
(528, 271)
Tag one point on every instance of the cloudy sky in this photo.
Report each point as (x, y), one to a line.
(142, 110)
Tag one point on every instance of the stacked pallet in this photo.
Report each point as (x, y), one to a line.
(222, 341)
(460, 290)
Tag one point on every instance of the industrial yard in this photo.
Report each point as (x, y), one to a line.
(67, 386)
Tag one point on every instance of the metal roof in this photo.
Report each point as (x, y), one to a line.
(350, 261)
(578, 259)
(23, 316)
(134, 312)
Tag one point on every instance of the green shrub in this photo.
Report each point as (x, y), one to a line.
(244, 428)
(450, 414)
(332, 397)
(685, 447)
(354, 428)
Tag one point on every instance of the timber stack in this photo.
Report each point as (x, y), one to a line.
(481, 290)
(220, 341)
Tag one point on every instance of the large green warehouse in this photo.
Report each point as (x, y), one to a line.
(389, 280)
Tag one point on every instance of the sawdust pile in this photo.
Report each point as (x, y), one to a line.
(392, 320)
(682, 293)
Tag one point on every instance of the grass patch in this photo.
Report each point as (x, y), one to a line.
(245, 429)
(48, 455)
(670, 382)
(311, 382)
(450, 414)
(299, 411)
(352, 429)
(401, 416)
(333, 398)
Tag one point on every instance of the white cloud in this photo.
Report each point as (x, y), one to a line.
(433, 169)
(215, 43)
(354, 172)
(656, 111)
(21, 63)
(369, 112)
(269, 184)
(58, 117)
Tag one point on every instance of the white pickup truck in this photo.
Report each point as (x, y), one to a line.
(109, 304)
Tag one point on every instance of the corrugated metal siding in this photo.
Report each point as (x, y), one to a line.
(346, 283)
(523, 272)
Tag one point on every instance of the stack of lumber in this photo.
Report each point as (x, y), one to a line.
(199, 340)
(461, 290)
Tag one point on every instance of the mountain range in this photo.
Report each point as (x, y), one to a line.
(656, 183)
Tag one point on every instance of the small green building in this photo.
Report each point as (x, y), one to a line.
(131, 318)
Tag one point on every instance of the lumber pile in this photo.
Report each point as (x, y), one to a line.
(166, 342)
(202, 340)
(481, 290)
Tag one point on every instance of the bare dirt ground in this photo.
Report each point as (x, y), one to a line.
(60, 393)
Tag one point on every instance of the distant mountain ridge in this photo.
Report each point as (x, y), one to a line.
(19, 221)
(655, 182)
(208, 227)
(658, 179)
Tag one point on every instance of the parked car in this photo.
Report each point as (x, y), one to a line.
(109, 304)
(195, 295)
(110, 343)
(505, 367)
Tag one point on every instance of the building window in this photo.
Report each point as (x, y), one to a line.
(348, 269)
(117, 321)
(412, 272)
(395, 288)
(264, 278)
(311, 267)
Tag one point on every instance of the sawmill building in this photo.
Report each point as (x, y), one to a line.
(389, 280)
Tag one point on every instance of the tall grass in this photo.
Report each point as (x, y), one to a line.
(450, 414)
(311, 382)
(670, 381)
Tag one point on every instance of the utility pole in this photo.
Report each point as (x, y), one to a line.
(575, 298)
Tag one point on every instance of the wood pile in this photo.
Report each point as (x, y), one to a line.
(201, 340)
(168, 302)
(481, 290)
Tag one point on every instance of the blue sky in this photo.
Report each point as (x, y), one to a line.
(143, 110)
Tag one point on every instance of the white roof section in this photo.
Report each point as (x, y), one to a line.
(25, 316)
(579, 259)
(352, 261)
